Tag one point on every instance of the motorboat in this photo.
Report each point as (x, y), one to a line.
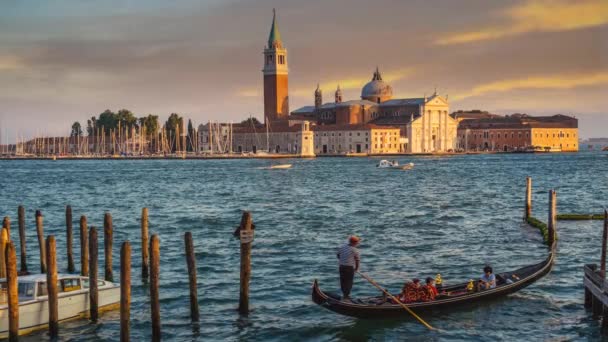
(393, 164)
(72, 300)
(281, 166)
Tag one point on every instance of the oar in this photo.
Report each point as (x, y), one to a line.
(396, 301)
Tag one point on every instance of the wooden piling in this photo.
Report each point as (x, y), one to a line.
(551, 221)
(93, 300)
(144, 245)
(41, 243)
(51, 284)
(604, 318)
(84, 247)
(13, 293)
(154, 282)
(6, 223)
(596, 307)
(21, 220)
(604, 243)
(191, 261)
(588, 300)
(528, 211)
(107, 243)
(245, 266)
(3, 244)
(125, 291)
(69, 233)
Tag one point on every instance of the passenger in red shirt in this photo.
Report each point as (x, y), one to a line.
(432, 290)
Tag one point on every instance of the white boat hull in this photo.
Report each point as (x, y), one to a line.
(34, 314)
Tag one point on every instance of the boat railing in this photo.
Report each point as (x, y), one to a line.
(592, 273)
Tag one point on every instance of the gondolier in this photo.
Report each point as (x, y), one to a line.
(348, 255)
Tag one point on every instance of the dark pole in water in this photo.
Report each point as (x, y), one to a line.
(154, 280)
(93, 274)
(144, 245)
(191, 261)
(245, 266)
(84, 247)
(125, 291)
(528, 212)
(6, 223)
(40, 232)
(21, 219)
(68, 227)
(13, 293)
(107, 243)
(604, 242)
(51, 283)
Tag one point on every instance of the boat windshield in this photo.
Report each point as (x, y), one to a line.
(26, 291)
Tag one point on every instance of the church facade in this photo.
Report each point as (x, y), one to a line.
(424, 123)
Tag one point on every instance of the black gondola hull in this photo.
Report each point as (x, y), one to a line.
(354, 309)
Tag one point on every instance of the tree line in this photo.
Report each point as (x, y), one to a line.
(124, 120)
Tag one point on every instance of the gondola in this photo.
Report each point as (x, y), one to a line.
(455, 295)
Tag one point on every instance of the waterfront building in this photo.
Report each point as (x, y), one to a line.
(424, 123)
(519, 132)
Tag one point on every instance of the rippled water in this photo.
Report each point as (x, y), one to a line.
(449, 215)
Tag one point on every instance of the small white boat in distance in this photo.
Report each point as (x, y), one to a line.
(281, 166)
(393, 164)
(72, 298)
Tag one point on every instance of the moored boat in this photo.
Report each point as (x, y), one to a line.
(281, 166)
(455, 295)
(73, 300)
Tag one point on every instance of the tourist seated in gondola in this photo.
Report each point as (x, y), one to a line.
(410, 292)
(430, 289)
(487, 280)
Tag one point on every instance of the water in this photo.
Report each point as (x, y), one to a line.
(449, 215)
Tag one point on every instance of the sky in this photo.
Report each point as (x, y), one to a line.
(63, 61)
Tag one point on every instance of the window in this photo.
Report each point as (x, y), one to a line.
(70, 285)
(358, 134)
(26, 290)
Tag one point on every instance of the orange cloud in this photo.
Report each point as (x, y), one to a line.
(10, 63)
(539, 82)
(538, 16)
(249, 93)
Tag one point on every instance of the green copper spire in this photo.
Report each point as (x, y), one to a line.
(274, 39)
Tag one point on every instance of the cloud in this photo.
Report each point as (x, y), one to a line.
(354, 82)
(249, 93)
(538, 16)
(539, 82)
(10, 63)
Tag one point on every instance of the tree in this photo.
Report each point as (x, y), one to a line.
(174, 125)
(107, 120)
(251, 121)
(191, 137)
(76, 130)
(126, 119)
(150, 123)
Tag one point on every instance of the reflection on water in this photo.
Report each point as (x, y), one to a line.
(449, 215)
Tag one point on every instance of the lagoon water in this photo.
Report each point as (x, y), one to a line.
(449, 215)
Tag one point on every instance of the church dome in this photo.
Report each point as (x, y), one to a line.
(377, 90)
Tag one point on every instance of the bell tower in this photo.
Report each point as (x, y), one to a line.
(318, 97)
(276, 99)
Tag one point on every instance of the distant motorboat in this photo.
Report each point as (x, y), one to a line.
(393, 164)
(281, 166)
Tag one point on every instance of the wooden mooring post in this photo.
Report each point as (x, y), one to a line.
(3, 244)
(245, 263)
(84, 247)
(154, 283)
(94, 255)
(21, 220)
(604, 245)
(144, 245)
(51, 284)
(125, 291)
(528, 210)
(107, 244)
(6, 223)
(41, 243)
(69, 238)
(552, 218)
(13, 293)
(191, 261)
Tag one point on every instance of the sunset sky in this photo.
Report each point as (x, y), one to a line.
(62, 61)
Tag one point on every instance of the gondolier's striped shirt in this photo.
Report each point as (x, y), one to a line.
(348, 255)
